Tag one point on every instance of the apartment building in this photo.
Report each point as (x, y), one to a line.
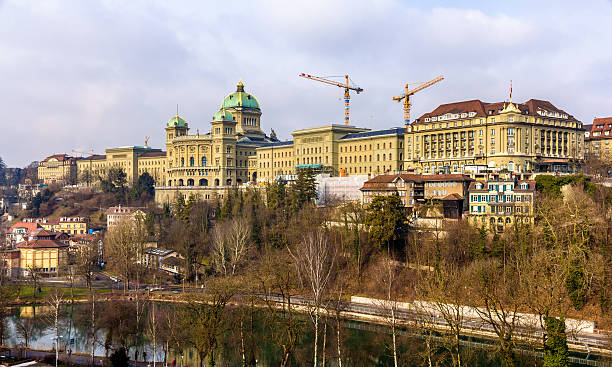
(499, 204)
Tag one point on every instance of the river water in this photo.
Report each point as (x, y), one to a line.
(361, 344)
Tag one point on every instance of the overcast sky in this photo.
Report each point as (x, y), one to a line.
(94, 75)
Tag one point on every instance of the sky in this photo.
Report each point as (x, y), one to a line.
(91, 75)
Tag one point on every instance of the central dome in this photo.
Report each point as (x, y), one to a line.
(223, 115)
(240, 98)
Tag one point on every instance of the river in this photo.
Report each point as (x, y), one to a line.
(255, 333)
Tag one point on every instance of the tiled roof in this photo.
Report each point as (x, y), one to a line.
(41, 244)
(27, 225)
(367, 134)
(446, 177)
(601, 128)
(453, 196)
(482, 109)
(59, 157)
(172, 261)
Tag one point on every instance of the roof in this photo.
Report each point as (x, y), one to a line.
(157, 251)
(601, 128)
(122, 209)
(152, 154)
(95, 157)
(366, 134)
(223, 115)
(453, 196)
(482, 109)
(279, 144)
(58, 157)
(177, 121)
(27, 225)
(447, 177)
(172, 261)
(41, 244)
(240, 98)
(485, 185)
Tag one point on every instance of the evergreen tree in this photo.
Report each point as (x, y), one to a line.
(555, 348)
(575, 284)
(145, 184)
(275, 194)
(304, 189)
(386, 219)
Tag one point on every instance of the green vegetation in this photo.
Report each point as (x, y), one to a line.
(555, 348)
(551, 185)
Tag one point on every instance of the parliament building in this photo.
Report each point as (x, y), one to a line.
(454, 138)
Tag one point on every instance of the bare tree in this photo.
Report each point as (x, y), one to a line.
(25, 329)
(315, 259)
(54, 301)
(388, 276)
(443, 293)
(86, 268)
(495, 297)
(124, 245)
(231, 245)
(278, 275)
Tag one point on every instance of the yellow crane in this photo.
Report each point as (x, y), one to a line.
(408, 92)
(347, 87)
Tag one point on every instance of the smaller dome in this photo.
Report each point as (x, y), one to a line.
(177, 121)
(223, 115)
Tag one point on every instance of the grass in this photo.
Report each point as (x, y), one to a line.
(27, 292)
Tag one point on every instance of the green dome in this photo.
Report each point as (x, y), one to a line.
(240, 98)
(177, 121)
(223, 115)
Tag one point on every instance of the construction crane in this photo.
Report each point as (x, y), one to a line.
(408, 92)
(91, 152)
(347, 87)
(147, 141)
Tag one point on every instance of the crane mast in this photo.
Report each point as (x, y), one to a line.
(408, 92)
(347, 87)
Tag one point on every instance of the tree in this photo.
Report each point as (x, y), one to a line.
(203, 317)
(124, 245)
(278, 276)
(144, 185)
(86, 266)
(315, 260)
(304, 189)
(556, 353)
(443, 291)
(387, 281)
(386, 219)
(55, 302)
(495, 298)
(119, 358)
(115, 182)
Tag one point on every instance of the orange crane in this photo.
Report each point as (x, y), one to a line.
(347, 87)
(408, 92)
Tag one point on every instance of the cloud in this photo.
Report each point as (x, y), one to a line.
(102, 74)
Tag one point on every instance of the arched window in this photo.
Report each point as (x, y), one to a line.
(169, 182)
(203, 161)
(182, 161)
(228, 182)
(216, 182)
(203, 182)
(190, 182)
(191, 161)
(180, 182)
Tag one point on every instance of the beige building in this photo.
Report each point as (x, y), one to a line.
(69, 225)
(498, 204)
(116, 214)
(335, 149)
(598, 139)
(534, 136)
(133, 160)
(46, 256)
(58, 168)
(207, 165)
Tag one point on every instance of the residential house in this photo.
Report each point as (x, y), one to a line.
(116, 214)
(499, 204)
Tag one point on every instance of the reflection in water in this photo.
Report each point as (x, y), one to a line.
(245, 336)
